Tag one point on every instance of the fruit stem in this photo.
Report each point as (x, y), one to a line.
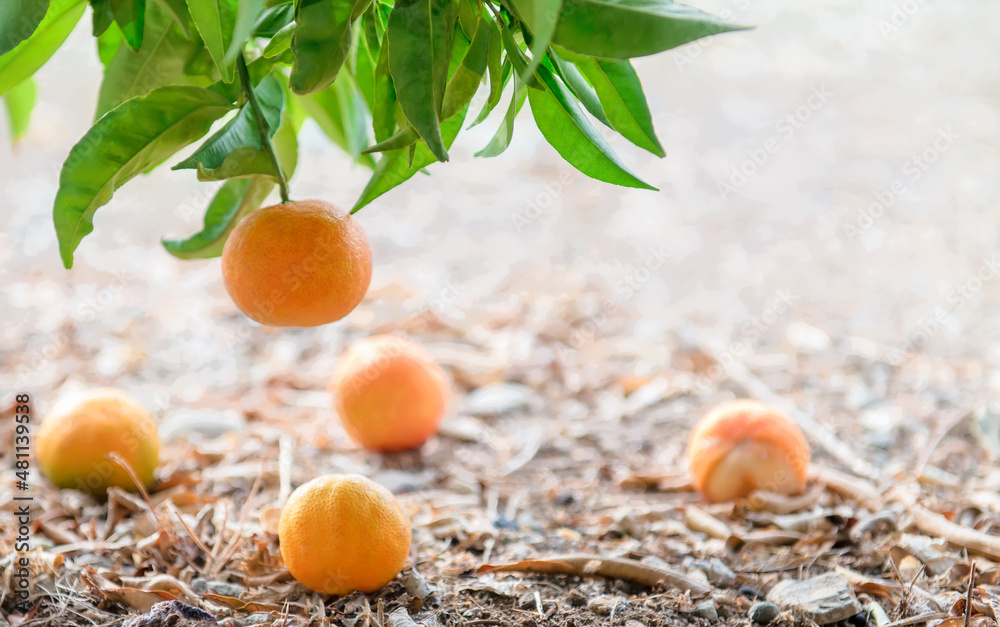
(262, 126)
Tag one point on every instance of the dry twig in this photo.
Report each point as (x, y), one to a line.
(968, 594)
(916, 620)
(610, 567)
(937, 525)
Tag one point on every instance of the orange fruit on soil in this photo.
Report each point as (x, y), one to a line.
(745, 445)
(83, 428)
(390, 393)
(297, 264)
(341, 533)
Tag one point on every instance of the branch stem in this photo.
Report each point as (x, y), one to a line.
(262, 126)
(495, 13)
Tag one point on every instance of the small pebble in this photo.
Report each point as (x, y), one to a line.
(172, 614)
(824, 599)
(201, 586)
(603, 606)
(565, 499)
(634, 623)
(750, 592)
(576, 598)
(716, 571)
(859, 620)
(706, 609)
(527, 601)
(764, 613)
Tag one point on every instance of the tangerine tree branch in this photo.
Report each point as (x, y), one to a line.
(262, 126)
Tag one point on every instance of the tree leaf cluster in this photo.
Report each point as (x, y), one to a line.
(391, 82)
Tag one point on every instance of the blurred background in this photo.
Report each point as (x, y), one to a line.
(827, 215)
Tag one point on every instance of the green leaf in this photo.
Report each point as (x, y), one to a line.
(499, 73)
(103, 16)
(364, 71)
(501, 139)
(273, 20)
(342, 114)
(161, 60)
(131, 18)
(461, 88)
(32, 53)
(19, 102)
(396, 167)
(246, 161)
(247, 14)
(177, 11)
(402, 139)
(567, 129)
(124, 143)
(419, 41)
(469, 14)
(374, 21)
(541, 17)
(215, 20)
(235, 199)
(516, 56)
(281, 41)
(232, 150)
(583, 91)
(286, 140)
(621, 29)
(201, 64)
(241, 162)
(322, 41)
(620, 91)
(459, 46)
(18, 20)
(467, 77)
(384, 110)
(108, 44)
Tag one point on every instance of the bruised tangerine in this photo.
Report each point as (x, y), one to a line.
(745, 445)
